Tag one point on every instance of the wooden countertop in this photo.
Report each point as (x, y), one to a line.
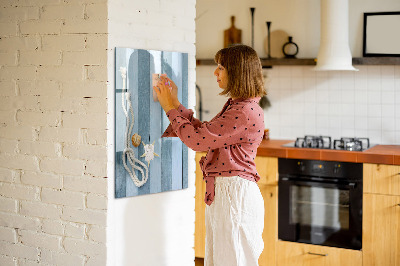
(379, 154)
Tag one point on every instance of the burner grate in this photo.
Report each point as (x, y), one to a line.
(321, 142)
(351, 144)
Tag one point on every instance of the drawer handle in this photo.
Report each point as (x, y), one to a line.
(318, 254)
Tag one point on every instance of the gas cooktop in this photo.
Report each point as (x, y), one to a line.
(325, 142)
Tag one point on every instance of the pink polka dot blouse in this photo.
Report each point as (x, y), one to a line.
(231, 139)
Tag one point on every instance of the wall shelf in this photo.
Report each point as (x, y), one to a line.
(312, 61)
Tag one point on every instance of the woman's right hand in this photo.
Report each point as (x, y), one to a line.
(174, 89)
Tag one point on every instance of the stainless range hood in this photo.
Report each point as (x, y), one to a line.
(334, 52)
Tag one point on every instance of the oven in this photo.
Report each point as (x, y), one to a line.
(320, 202)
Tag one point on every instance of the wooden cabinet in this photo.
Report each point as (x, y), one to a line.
(267, 168)
(381, 230)
(381, 215)
(298, 254)
(270, 233)
(200, 207)
(381, 179)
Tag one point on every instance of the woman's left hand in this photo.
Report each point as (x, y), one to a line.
(164, 95)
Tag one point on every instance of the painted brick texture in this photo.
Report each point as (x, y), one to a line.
(53, 110)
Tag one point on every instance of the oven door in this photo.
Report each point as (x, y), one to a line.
(321, 212)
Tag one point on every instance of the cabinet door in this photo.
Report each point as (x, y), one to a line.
(381, 179)
(297, 254)
(200, 207)
(267, 168)
(270, 233)
(381, 230)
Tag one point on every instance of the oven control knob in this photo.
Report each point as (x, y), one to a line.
(336, 169)
(302, 167)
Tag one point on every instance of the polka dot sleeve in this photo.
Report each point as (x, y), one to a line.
(187, 113)
(227, 129)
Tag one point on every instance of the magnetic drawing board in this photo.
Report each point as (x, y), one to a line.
(167, 171)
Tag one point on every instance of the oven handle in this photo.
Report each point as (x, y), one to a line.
(297, 181)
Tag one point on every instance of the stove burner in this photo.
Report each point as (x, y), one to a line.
(308, 141)
(351, 144)
(324, 142)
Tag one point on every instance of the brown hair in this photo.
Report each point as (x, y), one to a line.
(245, 78)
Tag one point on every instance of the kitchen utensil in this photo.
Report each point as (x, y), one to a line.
(232, 35)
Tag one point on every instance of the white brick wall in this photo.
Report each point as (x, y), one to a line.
(53, 107)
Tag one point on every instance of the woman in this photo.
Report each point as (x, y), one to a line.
(235, 207)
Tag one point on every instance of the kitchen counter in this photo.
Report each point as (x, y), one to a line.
(379, 154)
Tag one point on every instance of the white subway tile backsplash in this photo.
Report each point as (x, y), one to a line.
(389, 136)
(348, 133)
(348, 77)
(309, 96)
(348, 122)
(286, 120)
(322, 83)
(374, 97)
(374, 84)
(285, 132)
(348, 96)
(360, 97)
(360, 133)
(338, 104)
(334, 81)
(322, 121)
(387, 72)
(334, 109)
(297, 97)
(361, 123)
(397, 72)
(361, 110)
(310, 109)
(388, 124)
(308, 72)
(322, 109)
(335, 95)
(297, 83)
(373, 70)
(388, 84)
(297, 72)
(374, 111)
(335, 122)
(397, 110)
(284, 72)
(388, 97)
(347, 110)
(374, 123)
(284, 83)
(388, 111)
(322, 95)
(375, 136)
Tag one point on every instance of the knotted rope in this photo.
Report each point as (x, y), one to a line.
(128, 151)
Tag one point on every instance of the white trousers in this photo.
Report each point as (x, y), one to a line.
(234, 223)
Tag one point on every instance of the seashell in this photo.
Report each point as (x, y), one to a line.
(136, 139)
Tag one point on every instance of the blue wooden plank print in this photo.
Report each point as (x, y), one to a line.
(145, 117)
(132, 58)
(176, 75)
(155, 126)
(185, 170)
